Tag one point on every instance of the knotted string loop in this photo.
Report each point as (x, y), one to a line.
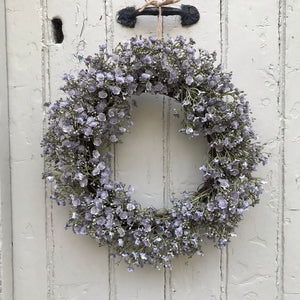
(158, 4)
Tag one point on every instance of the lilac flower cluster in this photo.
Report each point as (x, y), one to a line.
(95, 113)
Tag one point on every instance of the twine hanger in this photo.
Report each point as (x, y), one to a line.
(158, 4)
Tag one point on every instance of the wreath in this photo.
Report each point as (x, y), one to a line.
(95, 113)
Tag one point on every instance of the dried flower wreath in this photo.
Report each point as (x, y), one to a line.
(95, 114)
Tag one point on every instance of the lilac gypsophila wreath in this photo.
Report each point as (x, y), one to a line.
(95, 114)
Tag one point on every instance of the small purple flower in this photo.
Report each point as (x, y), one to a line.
(153, 38)
(75, 201)
(123, 215)
(111, 112)
(212, 83)
(189, 130)
(158, 87)
(80, 120)
(189, 80)
(71, 93)
(97, 141)
(121, 114)
(104, 195)
(102, 117)
(224, 183)
(203, 168)
(130, 206)
(65, 125)
(168, 49)
(88, 216)
(102, 47)
(211, 206)
(198, 214)
(102, 95)
(94, 210)
(109, 224)
(189, 49)
(91, 88)
(235, 124)
(76, 229)
(84, 182)
(113, 138)
(113, 121)
(83, 230)
(222, 203)
(101, 221)
(234, 196)
(130, 189)
(120, 79)
(65, 76)
(190, 117)
(121, 232)
(91, 122)
(129, 79)
(50, 178)
(115, 89)
(99, 167)
(170, 41)
(145, 77)
(240, 211)
(91, 71)
(143, 256)
(178, 231)
(87, 131)
(78, 176)
(185, 102)
(96, 154)
(79, 109)
(199, 78)
(110, 76)
(100, 77)
(264, 160)
(108, 187)
(147, 60)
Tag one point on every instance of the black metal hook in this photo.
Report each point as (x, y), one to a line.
(189, 14)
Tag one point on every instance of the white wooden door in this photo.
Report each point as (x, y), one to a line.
(260, 42)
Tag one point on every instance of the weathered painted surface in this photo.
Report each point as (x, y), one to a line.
(5, 192)
(260, 42)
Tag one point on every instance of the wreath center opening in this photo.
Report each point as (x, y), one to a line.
(158, 160)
